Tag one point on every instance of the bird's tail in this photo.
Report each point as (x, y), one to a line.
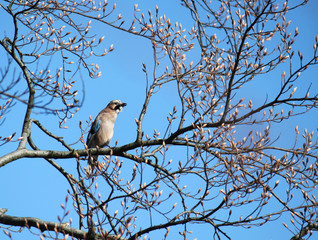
(91, 164)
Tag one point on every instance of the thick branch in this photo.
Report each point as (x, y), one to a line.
(305, 231)
(50, 226)
(26, 123)
(26, 153)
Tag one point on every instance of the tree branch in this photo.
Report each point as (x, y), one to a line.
(51, 226)
(305, 231)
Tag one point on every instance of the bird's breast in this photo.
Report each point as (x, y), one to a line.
(105, 133)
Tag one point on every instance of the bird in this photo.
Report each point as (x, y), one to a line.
(102, 129)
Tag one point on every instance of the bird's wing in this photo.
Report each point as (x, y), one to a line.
(94, 129)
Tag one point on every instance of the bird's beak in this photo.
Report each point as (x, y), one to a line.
(123, 104)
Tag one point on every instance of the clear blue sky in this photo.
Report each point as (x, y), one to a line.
(31, 187)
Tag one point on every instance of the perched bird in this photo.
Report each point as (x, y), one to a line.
(102, 129)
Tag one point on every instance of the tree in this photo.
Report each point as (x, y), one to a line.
(217, 160)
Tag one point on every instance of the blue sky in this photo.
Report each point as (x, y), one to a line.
(31, 187)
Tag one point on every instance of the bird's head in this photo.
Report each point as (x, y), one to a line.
(116, 105)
